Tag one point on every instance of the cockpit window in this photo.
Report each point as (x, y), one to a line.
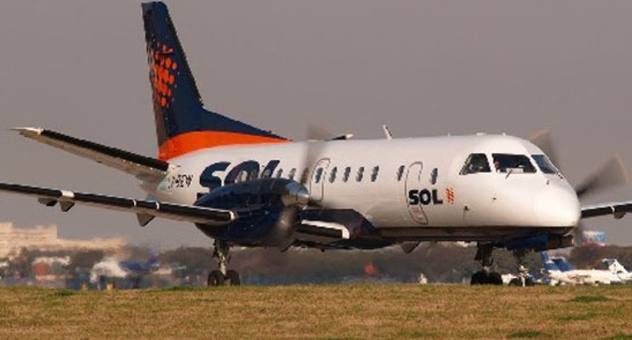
(545, 165)
(475, 163)
(506, 163)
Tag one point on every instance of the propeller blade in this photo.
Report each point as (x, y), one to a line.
(543, 140)
(611, 174)
(578, 234)
(317, 132)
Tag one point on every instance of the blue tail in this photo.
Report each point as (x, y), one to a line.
(182, 123)
(547, 263)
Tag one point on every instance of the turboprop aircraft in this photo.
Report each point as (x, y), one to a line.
(245, 186)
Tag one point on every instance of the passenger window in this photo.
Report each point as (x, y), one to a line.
(291, 174)
(267, 173)
(375, 173)
(346, 174)
(305, 175)
(360, 174)
(332, 175)
(319, 175)
(400, 172)
(279, 173)
(545, 164)
(475, 163)
(505, 163)
(434, 174)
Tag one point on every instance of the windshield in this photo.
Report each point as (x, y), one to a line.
(505, 163)
(545, 164)
(475, 163)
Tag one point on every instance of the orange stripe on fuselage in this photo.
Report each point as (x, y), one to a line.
(197, 140)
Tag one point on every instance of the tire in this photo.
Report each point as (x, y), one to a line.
(495, 279)
(515, 282)
(478, 278)
(529, 282)
(215, 278)
(232, 278)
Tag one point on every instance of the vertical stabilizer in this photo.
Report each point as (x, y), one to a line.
(182, 123)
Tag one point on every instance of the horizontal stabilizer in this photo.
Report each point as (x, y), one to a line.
(145, 209)
(145, 168)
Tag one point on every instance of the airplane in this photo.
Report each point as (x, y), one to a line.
(111, 267)
(618, 269)
(558, 271)
(245, 186)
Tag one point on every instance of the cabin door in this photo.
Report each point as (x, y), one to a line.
(413, 184)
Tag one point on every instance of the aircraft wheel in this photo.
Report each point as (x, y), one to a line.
(479, 278)
(529, 282)
(515, 282)
(215, 278)
(232, 278)
(494, 279)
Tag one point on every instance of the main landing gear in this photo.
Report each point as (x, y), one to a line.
(523, 278)
(486, 276)
(222, 276)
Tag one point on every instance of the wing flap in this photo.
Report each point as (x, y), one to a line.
(145, 168)
(617, 209)
(145, 209)
(321, 232)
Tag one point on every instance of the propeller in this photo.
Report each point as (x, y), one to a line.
(611, 174)
(542, 139)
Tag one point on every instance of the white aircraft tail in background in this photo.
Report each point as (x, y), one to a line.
(618, 269)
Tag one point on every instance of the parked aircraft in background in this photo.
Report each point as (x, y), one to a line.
(245, 186)
(618, 269)
(558, 271)
(113, 268)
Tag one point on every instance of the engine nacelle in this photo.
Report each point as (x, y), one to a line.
(268, 210)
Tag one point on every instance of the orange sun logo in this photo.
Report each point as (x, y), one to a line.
(162, 74)
(449, 192)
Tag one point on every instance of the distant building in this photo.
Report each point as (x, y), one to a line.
(46, 238)
(593, 238)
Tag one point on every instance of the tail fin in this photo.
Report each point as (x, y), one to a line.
(615, 267)
(182, 123)
(547, 263)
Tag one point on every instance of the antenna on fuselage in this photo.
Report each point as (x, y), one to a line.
(387, 132)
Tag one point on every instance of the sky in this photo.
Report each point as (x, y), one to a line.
(424, 68)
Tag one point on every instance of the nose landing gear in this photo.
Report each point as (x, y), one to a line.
(485, 276)
(222, 276)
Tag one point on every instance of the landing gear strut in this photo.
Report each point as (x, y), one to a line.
(486, 276)
(522, 279)
(222, 276)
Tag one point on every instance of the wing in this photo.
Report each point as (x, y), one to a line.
(617, 209)
(335, 229)
(145, 168)
(145, 210)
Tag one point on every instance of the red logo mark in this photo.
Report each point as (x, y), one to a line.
(449, 193)
(162, 74)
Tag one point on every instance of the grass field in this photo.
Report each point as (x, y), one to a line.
(341, 311)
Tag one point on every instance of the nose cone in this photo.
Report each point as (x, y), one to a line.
(557, 206)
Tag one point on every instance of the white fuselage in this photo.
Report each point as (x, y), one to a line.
(413, 183)
(583, 277)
